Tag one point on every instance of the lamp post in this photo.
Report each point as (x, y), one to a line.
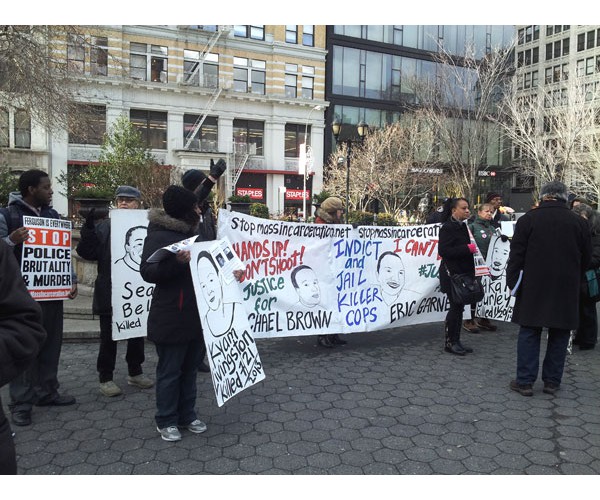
(304, 156)
(336, 128)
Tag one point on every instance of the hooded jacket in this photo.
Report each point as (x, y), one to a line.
(173, 316)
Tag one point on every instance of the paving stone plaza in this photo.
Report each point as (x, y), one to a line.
(387, 403)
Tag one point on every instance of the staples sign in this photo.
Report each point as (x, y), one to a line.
(296, 194)
(254, 193)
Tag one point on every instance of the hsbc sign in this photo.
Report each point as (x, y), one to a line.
(254, 193)
(486, 173)
(296, 194)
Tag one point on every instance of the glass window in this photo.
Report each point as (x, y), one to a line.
(308, 35)
(257, 32)
(137, 61)
(207, 137)
(88, 125)
(158, 64)
(4, 129)
(294, 136)
(152, 125)
(22, 129)
(249, 132)
(308, 84)
(75, 54)
(99, 57)
(191, 60)
(291, 85)
(291, 33)
(591, 38)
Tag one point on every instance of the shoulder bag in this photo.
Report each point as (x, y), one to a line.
(465, 288)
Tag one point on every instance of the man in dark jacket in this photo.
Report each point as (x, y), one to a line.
(95, 245)
(21, 335)
(551, 246)
(39, 383)
(174, 322)
(495, 200)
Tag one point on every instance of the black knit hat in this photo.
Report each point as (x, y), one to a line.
(178, 201)
(192, 179)
(491, 196)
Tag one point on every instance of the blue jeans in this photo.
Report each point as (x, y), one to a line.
(528, 355)
(176, 373)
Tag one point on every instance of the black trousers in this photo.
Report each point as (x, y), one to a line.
(8, 457)
(40, 381)
(107, 354)
(454, 318)
(587, 333)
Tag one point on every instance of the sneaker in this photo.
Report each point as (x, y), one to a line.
(550, 388)
(522, 389)
(140, 381)
(197, 426)
(470, 326)
(110, 389)
(169, 433)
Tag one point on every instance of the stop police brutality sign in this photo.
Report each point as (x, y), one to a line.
(46, 262)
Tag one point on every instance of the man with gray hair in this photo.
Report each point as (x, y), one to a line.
(550, 249)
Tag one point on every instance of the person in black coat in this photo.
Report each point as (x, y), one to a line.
(586, 335)
(173, 322)
(21, 336)
(551, 246)
(456, 250)
(94, 245)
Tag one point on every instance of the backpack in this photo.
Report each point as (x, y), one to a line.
(12, 216)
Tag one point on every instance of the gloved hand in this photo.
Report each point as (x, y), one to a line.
(503, 237)
(217, 169)
(472, 247)
(89, 220)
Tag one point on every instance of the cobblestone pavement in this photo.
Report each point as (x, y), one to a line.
(386, 403)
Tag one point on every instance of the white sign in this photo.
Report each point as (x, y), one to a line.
(46, 260)
(231, 351)
(131, 295)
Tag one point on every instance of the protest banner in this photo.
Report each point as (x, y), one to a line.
(231, 351)
(131, 295)
(46, 262)
(307, 279)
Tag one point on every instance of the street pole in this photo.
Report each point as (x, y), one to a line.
(305, 159)
(348, 148)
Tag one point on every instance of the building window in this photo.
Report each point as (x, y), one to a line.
(308, 35)
(207, 137)
(99, 57)
(152, 125)
(148, 62)
(75, 54)
(205, 75)
(249, 132)
(294, 136)
(291, 33)
(22, 129)
(249, 75)
(256, 32)
(291, 80)
(4, 129)
(87, 125)
(308, 82)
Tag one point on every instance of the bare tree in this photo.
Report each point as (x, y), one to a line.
(459, 104)
(35, 73)
(387, 167)
(554, 134)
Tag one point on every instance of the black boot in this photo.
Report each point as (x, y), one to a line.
(465, 348)
(452, 346)
(336, 340)
(324, 341)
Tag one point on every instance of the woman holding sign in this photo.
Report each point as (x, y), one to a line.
(174, 323)
(456, 250)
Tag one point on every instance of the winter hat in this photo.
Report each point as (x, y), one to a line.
(491, 196)
(178, 201)
(331, 204)
(127, 192)
(192, 179)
